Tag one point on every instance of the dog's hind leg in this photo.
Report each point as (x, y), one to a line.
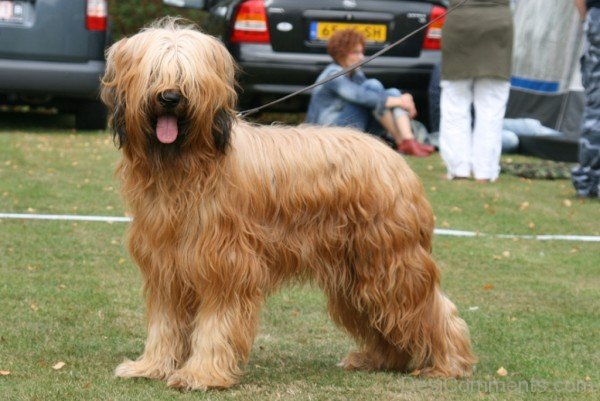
(401, 319)
(375, 353)
(422, 319)
(447, 339)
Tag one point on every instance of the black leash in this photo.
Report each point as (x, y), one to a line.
(346, 70)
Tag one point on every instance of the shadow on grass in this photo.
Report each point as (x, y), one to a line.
(49, 120)
(34, 121)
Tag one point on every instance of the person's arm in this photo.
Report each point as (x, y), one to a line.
(356, 93)
(581, 7)
(353, 92)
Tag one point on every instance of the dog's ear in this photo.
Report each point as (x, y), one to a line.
(221, 129)
(116, 60)
(118, 125)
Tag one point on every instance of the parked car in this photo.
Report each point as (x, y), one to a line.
(52, 55)
(281, 44)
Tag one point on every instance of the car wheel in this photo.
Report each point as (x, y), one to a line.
(90, 115)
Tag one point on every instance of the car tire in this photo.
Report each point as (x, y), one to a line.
(90, 115)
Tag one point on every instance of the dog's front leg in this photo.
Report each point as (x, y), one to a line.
(223, 335)
(163, 350)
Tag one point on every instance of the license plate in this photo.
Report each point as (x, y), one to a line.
(11, 11)
(324, 30)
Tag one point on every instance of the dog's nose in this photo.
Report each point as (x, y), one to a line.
(169, 99)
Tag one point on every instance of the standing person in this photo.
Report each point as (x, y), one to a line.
(586, 176)
(355, 101)
(477, 41)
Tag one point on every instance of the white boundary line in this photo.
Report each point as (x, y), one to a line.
(68, 217)
(438, 231)
(457, 233)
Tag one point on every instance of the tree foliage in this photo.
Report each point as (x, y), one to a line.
(128, 16)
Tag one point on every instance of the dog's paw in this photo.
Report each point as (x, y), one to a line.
(357, 361)
(186, 380)
(141, 368)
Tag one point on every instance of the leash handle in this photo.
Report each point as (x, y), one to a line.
(346, 70)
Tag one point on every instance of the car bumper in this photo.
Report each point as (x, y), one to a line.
(77, 80)
(267, 72)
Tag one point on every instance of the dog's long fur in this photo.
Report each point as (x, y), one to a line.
(230, 211)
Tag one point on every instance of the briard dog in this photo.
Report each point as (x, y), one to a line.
(225, 212)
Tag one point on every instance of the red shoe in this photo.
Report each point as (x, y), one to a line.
(427, 148)
(411, 147)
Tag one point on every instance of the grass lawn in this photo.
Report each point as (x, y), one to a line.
(71, 307)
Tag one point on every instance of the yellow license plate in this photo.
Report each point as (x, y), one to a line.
(372, 32)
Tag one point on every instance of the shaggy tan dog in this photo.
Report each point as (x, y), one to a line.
(224, 212)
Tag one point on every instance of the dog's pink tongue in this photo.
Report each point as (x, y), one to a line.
(166, 129)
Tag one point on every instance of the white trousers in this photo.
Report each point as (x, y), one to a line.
(468, 148)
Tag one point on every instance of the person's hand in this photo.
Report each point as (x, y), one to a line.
(408, 104)
(404, 101)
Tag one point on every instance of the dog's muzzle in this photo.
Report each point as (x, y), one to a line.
(167, 128)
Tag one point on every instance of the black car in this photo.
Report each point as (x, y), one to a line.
(281, 44)
(52, 55)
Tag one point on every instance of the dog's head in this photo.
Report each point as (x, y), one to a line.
(170, 87)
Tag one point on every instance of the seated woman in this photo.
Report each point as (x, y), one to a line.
(355, 101)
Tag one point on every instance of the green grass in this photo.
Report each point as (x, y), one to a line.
(70, 293)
